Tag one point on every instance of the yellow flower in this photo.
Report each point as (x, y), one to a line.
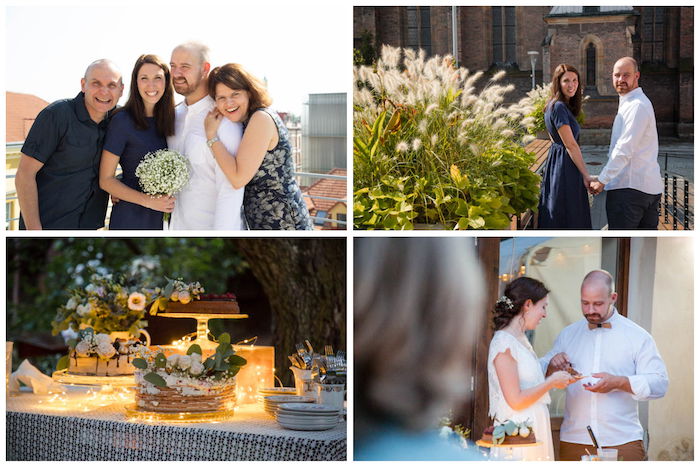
(184, 297)
(137, 301)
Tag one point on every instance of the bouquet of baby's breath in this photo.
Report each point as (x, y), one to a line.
(163, 172)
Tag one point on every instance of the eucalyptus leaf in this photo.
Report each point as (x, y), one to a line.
(160, 361)
(237, 360)
(194, 348)
(209, 363)
(224, 339)
(224, 350)
(72, 343)
(155, 379)
(233, 371)
(168, 291)
(140, 363)
(511, 428)
(63, 363)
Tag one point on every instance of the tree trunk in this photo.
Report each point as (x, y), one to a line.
(305, 282)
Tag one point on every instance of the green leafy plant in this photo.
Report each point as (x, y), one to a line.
(429, 149)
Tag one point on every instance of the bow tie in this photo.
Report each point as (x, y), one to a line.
(601, 325)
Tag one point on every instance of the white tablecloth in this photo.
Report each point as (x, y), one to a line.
(39, 431)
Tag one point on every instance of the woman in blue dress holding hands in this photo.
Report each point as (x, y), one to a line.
(135, 130)
(566, 181)
(263, 164)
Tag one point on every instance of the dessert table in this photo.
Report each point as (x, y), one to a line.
(41, 431)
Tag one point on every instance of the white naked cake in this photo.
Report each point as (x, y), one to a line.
(185, 382)
(100, 355)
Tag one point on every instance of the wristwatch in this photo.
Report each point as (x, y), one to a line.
(211, 142)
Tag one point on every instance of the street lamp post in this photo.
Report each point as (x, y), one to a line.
(533, 60)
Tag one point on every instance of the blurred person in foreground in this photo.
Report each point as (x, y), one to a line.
(417, 302)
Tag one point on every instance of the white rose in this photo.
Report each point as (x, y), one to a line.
(82, 349)
(184, 297)
(170, 380)
(184, 362)
(72, 303)
(174, 296)
(197, 368)
(103, 339)
(106, 350)
(172, 360)
(137, 301)
(90, 288)
(195, 357)
(83, 309)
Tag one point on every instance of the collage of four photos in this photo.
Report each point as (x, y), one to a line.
(242, 315)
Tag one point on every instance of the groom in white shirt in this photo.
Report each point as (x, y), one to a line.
(631, 177)
(621, 365)
(209, 201)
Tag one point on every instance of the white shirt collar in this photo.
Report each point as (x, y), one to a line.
(201, 104)
(631, 95)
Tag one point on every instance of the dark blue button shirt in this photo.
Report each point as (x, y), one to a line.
(69, 144)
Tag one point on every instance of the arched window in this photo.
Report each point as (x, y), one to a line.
(590, 65)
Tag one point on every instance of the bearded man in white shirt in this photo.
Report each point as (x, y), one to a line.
(622, 366)
(209, 201)
(631, 177)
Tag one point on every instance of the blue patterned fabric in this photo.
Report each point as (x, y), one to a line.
(272, 199)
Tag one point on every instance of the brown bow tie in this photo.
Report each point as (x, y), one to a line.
(600, 325)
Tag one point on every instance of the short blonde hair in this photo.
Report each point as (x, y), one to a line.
(418, 302)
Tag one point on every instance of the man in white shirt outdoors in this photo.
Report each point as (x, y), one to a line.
(631, 177)
(209, 201)
(621, 365)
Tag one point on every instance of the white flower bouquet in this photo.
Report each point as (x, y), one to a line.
(163, 173)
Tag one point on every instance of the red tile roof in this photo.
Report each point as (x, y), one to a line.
(330, 188)
(22, 109)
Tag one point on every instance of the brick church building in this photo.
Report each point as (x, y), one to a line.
(589, 38)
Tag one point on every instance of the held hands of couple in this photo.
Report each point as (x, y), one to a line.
(593, 185)
(212, 122)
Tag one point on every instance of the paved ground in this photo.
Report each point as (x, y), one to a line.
(674, 158)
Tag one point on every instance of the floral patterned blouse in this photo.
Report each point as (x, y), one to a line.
(272, 199)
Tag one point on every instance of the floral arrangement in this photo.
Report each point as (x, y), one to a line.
(159, 370)
(177, 291)
(106, 304)
(89, 344)
(430, 149)
(163, 172)
(510, 428)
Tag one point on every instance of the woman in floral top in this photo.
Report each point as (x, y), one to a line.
(263, 164)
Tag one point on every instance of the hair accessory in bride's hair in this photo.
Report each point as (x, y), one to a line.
(505, 300)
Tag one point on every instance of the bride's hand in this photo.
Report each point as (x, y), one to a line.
(161, 203)
(560, 379)
(212, 122)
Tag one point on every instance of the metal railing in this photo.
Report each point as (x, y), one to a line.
(12, 206)
(676, 203)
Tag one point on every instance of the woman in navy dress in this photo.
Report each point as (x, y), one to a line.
(566, 181)
(263, 164)
(135, 130)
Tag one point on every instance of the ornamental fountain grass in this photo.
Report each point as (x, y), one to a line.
(431, 150)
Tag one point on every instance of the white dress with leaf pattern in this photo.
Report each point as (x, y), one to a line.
(529, 374)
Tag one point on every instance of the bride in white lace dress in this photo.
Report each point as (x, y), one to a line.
(518, 390)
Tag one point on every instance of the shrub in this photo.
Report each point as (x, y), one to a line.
(430, 149)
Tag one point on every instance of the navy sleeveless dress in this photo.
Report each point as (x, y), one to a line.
(272, 199)
(563, 198)
(131, 145)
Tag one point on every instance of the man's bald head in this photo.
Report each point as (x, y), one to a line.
(102, 63)
(630, 61)
(599, 276)
(197, 50)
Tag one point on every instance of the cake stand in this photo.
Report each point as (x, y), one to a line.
(507, 449)
(64, 377)
(135, 413)
(203, 325)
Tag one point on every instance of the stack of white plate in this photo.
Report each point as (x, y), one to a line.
(275, 392)
(307, 417)
(271, 403)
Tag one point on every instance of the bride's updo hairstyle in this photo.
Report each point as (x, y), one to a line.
(516, 294)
